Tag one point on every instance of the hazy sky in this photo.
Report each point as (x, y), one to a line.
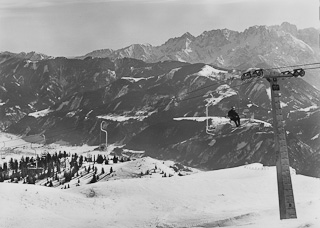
(76, 27)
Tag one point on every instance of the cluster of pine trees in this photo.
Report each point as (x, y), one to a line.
(30, 169)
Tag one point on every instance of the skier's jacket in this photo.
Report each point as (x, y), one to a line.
(232, 114)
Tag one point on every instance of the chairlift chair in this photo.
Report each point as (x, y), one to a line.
(4, 146)
(210, 127)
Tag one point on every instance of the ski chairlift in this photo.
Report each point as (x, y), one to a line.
(252, 73)
(295, 72)
(3, 151)
(89, 158)
(210, 127)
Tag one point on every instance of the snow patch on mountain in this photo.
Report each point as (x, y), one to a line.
(215, 119)
(45, 69)
(121, 118)
(223, 91)
(315, 137)
(241, 145)
(32, 63)
(208, 71)
(268, 90)
(308, 109)
(40, 113)
(132, 79)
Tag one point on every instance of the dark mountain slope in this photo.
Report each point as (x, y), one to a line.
(140, 103)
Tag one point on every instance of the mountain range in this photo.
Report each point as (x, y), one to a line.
(262, 46)
(153, 99)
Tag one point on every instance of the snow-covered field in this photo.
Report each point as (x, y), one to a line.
(245, 196)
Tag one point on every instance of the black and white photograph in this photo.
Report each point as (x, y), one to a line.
(159, 113)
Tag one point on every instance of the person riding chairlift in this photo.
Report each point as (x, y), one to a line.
(233, 115)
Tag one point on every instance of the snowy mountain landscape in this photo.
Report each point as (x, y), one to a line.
(139, 137)
(244, 196)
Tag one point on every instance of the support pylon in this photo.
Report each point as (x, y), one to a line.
(285, 190)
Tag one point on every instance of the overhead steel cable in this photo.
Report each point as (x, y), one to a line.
(207, 86)
(201, 95)
(233, 78)
(299, 65)
(312, 68)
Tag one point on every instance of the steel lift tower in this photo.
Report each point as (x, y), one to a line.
(285, 191)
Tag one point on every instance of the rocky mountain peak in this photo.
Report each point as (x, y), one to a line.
(102, 53)
(33, 56)
(187, 35)
(289, 28)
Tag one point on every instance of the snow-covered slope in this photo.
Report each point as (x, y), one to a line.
(245, 196)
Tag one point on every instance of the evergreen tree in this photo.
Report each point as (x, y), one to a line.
(102, 170)
(5, 167)
(99, 159)
(94, 179)
(80, 160)
(16, 165)
(11, 164)
(111, 170)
